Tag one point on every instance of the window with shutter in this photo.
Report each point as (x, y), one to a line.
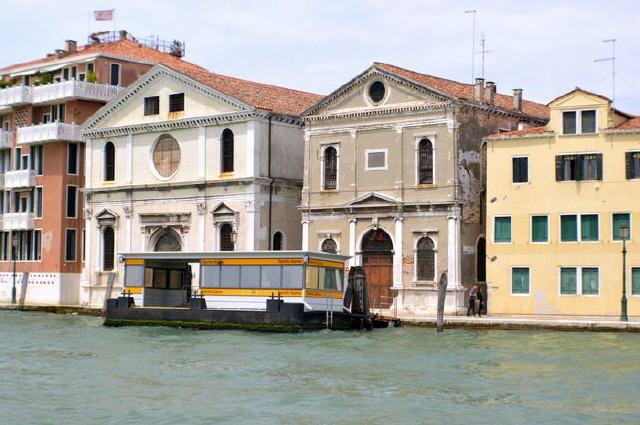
(619, 220)
(108, 248)
(590, 281)
(568, 281)
(226, 156)
(330, 168)
(425, 162)
(152, 105)
(540, 228)
(176, 102)
(520, 167)
(632, 165)
(425, 264)
(109, 162)
(635, 281)
(589, 227)
(569, 122)
(568, 228)
(502, 230)
(520, 280)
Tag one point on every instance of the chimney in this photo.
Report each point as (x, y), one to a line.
(491, 92)
(123, 34)
(517, 99)
(479, 90)
(70, 46)
(60, 53)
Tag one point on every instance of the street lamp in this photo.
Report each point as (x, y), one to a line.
(14, 244)
(624, 234)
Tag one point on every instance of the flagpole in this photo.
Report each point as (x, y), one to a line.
(114, 21)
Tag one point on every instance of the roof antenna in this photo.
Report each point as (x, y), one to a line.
(483, 51)
(611, 59)
(473, 45)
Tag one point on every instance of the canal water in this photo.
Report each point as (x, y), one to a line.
(71, 370)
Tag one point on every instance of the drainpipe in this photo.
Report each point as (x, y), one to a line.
(270, 186)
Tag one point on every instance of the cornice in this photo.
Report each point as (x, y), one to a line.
(380, 112)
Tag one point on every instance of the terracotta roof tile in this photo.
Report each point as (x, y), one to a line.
(464, 91)
(263, 96)
(532, 131)
(633, 123)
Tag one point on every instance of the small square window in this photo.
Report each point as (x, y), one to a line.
(176, 102)
(568, 281)
(569, 122)
(520, 170)
(539, 228)
(619, 220)
(632, 165)
(635, 281)
(569, 228)
(152, 105)
(588, 122)
(502, 230)
(520, 280)
(590, 281)
(589, 227)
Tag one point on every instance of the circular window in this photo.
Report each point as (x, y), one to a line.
(166, 155)
(376, 91)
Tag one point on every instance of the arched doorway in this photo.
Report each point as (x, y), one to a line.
(481, 260)
(377, 260)
(167, 241)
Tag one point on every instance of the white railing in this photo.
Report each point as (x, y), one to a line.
(18, 178)
(49, 132)
(15, 95)
(74, 89)
(5, 139)
(18, 221)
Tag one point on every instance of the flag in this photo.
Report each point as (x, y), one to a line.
(103, 15)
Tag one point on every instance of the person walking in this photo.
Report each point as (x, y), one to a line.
(480, 298)
(473, 294)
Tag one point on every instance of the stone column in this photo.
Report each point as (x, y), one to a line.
(250, 225)
(453, 248)
(202, 152)
(250, 159)
(129, 160)
(128, 211)
(397, 253)
(352, 242)
(85, 280)
(305, 234)
(201, 225)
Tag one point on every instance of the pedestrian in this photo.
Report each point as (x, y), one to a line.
(480, 297)
(473, 293)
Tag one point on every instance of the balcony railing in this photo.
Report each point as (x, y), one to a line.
(18, 221)
(17, 95)
(49, 132)
(5, 139)
(18, 178)
(74, 89)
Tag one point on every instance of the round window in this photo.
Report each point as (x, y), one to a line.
(166, 155)
(376, 91)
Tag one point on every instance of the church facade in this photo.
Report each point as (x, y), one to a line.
(393, 178)
(187, 160)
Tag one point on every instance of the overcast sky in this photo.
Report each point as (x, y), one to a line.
(546, 47)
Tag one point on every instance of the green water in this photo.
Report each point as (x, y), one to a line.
(71, 370)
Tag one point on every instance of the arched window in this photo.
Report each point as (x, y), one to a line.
(109, 162)
(227, 151)
(107, 249)
(277, 241)
(425, 162)
(168, 241)
(226, 238)
(166, 155)
(330, 168)
(481, 260)
(330, 246)
(425, 261)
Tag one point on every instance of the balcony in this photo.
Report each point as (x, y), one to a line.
(74, 90)
(18, 221)
(18, 178)
(5, 139)
(49, 132)
(18, 95)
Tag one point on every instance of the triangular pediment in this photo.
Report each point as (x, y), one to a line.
(222, 209)
(579, 98)
(372, 198)
(355, 96)
(127, 108)
(106, 214)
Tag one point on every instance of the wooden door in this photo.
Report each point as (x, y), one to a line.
(378, 269)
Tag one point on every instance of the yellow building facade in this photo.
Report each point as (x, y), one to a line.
(557, 200)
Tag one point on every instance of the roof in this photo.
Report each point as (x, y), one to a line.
(263, 96)
(532, 131)
(463, 90)
(632, 124)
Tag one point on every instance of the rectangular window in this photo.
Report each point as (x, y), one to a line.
(632, 162)
(72, 158)
(590, 281)
(65, 74)
(569, 228)
(635, 281)
(619, 220)
(176, 102)
(539, 228)
(520, 280)
(72, 201)
(37, 245)
(588, 119)
(502, 229)
(376, 159)
(568, 281)
(84, 244)
(90, 67)
(36, 161)
(74, 72)
(38, 201)
(589, 227)
(18, 158)
(152, 105)
(578, 167)
(569, 122)
(114, 76)
(520, 169)
(70, 245)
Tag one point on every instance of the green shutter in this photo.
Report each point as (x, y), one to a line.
(635, 281)
(577, 167)
(599, 166)
(618, 221)
(502, 229)
(540, 228)
(589, 227)
(559, 168)
(568, 281)
(590, 284)
(568, 228)
(627, 163)
(520, 280)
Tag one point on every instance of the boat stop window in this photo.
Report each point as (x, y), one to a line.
(324, 278)
(251, 276)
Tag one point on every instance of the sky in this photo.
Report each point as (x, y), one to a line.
(545, 47)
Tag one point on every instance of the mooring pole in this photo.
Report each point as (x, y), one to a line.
(442, 293)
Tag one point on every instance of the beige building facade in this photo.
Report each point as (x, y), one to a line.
(184, 160)
(393, 178)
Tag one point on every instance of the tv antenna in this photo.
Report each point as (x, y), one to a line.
(473, 45)
(483, 52)
(611, 59)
